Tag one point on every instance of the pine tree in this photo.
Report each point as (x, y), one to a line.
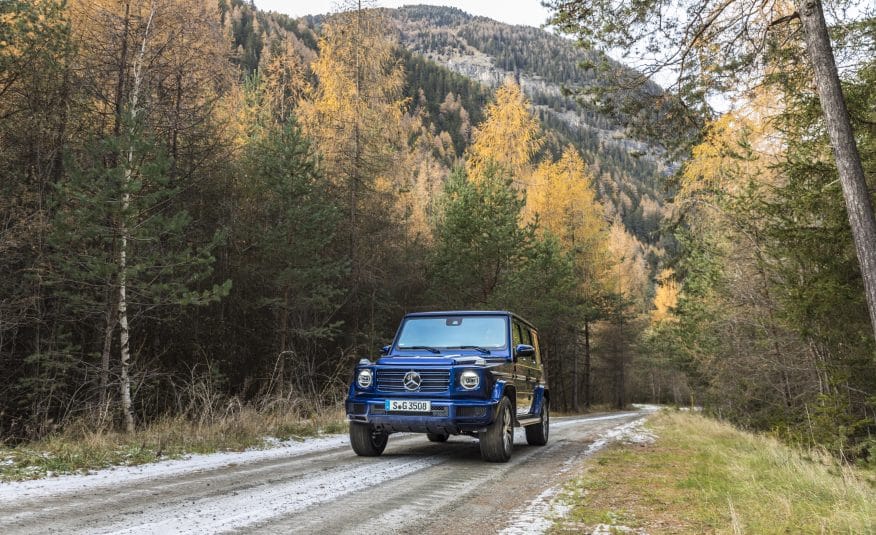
(287, 223)
(160, 270)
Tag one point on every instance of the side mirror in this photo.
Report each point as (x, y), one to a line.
(524, 350)
(384, 350)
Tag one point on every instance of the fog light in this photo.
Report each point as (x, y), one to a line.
(469, 380)
(364, 379)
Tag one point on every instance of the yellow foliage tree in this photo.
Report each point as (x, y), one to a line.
(561, 196)
(665, 297)
(354, 115)
(509, 135)
(629, 274)
(354, 112)
(742, 144)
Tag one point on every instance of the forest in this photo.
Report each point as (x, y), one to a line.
(206, 207)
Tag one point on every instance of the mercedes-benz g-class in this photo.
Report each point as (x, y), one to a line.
(476, 373)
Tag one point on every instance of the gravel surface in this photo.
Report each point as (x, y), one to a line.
(321, 486)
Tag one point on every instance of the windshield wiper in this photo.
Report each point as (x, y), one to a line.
(427, 348)
(476, 348)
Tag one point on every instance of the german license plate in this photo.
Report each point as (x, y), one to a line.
(408, 405)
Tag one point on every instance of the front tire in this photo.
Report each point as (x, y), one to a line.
(497, 441)
(367, 441)
(537, 435)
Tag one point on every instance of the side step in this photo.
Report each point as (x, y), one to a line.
(529, 420)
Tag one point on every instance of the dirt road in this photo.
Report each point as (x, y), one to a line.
(415, 487)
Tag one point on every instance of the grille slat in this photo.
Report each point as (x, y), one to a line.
(434, 380)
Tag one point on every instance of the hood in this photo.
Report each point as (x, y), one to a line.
(428, 360)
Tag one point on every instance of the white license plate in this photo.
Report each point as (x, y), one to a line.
(408, 405)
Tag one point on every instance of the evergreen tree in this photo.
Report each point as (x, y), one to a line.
(479, 240)
(162, 269)
(287, 223)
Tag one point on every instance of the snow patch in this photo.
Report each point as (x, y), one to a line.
(613, 529)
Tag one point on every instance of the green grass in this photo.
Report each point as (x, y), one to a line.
(79, 451)
(704, 476)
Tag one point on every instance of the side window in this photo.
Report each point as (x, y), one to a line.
(537, 349)
(527, 336)
(523, 338)
(515, 334)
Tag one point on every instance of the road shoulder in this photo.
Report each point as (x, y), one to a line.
(703, 476)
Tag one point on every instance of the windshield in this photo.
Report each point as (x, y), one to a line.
(487, 332)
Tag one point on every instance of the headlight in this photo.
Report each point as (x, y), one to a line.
(469, 380)
(364, 378)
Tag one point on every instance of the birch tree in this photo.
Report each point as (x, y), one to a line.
(120, 206)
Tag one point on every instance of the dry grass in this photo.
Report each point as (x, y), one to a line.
(704, 476)
(79, 449)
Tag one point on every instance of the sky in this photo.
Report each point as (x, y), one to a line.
(525, 12)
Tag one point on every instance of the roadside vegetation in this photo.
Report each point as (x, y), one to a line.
(705, 476)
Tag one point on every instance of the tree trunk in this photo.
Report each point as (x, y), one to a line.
(284, 341)
(848, 160)
(124, 231)
(587, 394)
(575, 405)
(105, 354)
(124, 332)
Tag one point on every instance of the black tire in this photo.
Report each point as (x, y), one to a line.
(366, 441)
(537, 434)
(437, 437)
(497, 441)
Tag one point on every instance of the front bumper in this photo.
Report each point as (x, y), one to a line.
(447, 416)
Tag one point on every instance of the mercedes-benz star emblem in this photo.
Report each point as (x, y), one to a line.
(412, 381)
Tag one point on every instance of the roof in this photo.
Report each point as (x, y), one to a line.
(470, 313)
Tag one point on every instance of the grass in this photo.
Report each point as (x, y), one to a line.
(78, 450)
(704, 476)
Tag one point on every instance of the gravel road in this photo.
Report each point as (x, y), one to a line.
(414, 487)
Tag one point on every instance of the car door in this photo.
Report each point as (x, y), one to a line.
(525, 370)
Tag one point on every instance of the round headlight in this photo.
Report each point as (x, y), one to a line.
(469, 380)
(364, 378)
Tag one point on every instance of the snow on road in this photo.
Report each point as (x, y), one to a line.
(111, 476)
(266, 501)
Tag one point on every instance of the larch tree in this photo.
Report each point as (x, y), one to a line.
(562, 198)
(721, 48)
(665, 297)
(509, 135)
(354, 114)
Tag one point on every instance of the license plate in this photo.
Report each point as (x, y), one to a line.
(408, 405)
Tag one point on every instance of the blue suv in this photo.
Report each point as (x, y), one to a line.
(475, 373)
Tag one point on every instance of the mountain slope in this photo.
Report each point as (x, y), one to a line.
(454, 60)
(548, 67)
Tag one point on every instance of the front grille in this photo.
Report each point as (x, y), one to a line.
(357, 408)
(434, 380)
(436, 411)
